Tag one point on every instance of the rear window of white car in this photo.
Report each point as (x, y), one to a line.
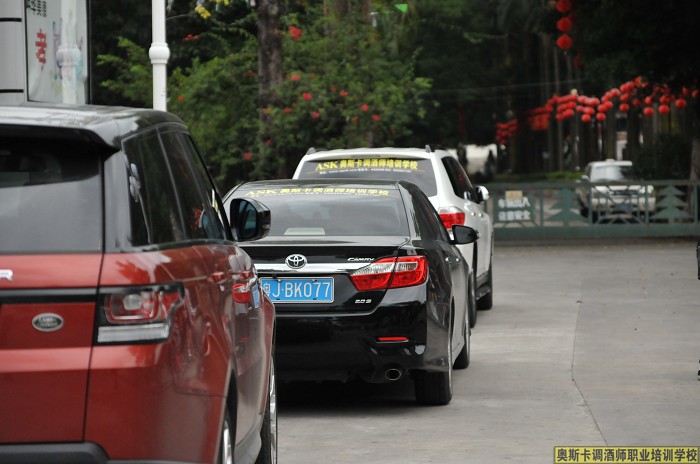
(417, 171)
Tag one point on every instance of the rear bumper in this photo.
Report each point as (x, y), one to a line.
(61, 453)
(346, 346)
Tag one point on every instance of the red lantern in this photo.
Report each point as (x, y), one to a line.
(564, 24)
(564, 5)
(624, 107)
(664, 109)
(648, 111)
(600, 116)
(648, 101)
(681, 103)
(586, 117)
(564, 42)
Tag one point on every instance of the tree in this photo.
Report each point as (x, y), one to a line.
(621, 40)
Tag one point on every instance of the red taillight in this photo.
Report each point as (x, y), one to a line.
(391, 273)
(392, 339)
(241, 293)
(138, 314)
(451, 215)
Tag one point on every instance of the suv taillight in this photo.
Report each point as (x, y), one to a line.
(391, 273)
(451, 215)
(138, 314)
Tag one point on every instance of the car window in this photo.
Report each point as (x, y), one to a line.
(459, 179)
(428, 221)
(209, 186)
(200, 218)
(155, 214)
(611, 172)
(331, 211)
(50, 195)
(417, 171)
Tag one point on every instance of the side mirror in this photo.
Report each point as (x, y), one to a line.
(250, 219)
(585, 178)
(464, 235)
(482, 193)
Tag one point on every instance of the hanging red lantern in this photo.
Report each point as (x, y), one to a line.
(637, 102)
(564, 24)
(564, 5)
(564, 42)
(681, 103)
(624, 97)
(648, 101)
(624, 107)
(664, 109)
(648, 111)
(600, 116)
(586, 117)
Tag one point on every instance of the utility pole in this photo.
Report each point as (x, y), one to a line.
(159, 54)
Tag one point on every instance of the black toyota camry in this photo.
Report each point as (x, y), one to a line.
(366, 282)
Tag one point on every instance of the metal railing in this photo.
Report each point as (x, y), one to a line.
(664, 208)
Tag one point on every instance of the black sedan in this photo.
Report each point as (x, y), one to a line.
(366, 282)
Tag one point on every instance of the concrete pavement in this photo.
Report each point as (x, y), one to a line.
(587, 345)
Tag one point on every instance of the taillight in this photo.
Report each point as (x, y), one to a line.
(391, 273)
(451, 215)
(138, 314)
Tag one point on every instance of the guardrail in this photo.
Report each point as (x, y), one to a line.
(664, 208)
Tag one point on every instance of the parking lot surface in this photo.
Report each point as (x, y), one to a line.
(587, 345)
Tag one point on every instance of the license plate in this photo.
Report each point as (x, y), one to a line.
(300, 290)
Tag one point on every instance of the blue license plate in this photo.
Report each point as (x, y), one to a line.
(299, 290)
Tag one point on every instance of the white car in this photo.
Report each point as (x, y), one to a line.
(619, 196)
(444, 181)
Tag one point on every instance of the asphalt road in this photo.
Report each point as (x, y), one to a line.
(586, 345)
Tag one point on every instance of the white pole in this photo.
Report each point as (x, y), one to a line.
(159, 54)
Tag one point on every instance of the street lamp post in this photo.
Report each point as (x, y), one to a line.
(159, 54)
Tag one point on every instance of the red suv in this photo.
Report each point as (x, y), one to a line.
(132, 326)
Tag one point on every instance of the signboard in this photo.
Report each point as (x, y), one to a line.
(515, 207)
(57, 50)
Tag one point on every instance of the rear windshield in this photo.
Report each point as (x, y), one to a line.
(417, 171)
(332, 211)
(50, 196)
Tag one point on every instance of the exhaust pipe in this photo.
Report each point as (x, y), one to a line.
(393, 374)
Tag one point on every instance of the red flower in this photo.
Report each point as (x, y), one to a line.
(247, 155)
(364, 107)
(315, 114)
(287, 110)
(180, 97)
(334, 90)
(375, 117)
(295, 33)
(306, 96)
(295, 77)
(268, 142)
(343, 93)
(249, 73)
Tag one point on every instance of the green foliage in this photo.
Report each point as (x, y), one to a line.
(339, 90)
(667, 157)
(132, 73)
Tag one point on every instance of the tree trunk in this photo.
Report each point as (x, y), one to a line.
(269, 65)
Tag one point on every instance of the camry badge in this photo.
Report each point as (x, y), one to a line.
(6, 274)
(47, 322)
(295, 261)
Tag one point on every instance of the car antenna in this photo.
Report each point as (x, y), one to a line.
(310, 151)
(428, 149)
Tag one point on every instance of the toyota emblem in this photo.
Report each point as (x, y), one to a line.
(296, 261)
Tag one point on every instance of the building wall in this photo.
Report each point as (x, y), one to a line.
(13, 65)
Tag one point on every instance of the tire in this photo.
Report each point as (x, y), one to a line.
(268, 433)
(464, 357)
(227, 440)
(435, 388)
(486, 301)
